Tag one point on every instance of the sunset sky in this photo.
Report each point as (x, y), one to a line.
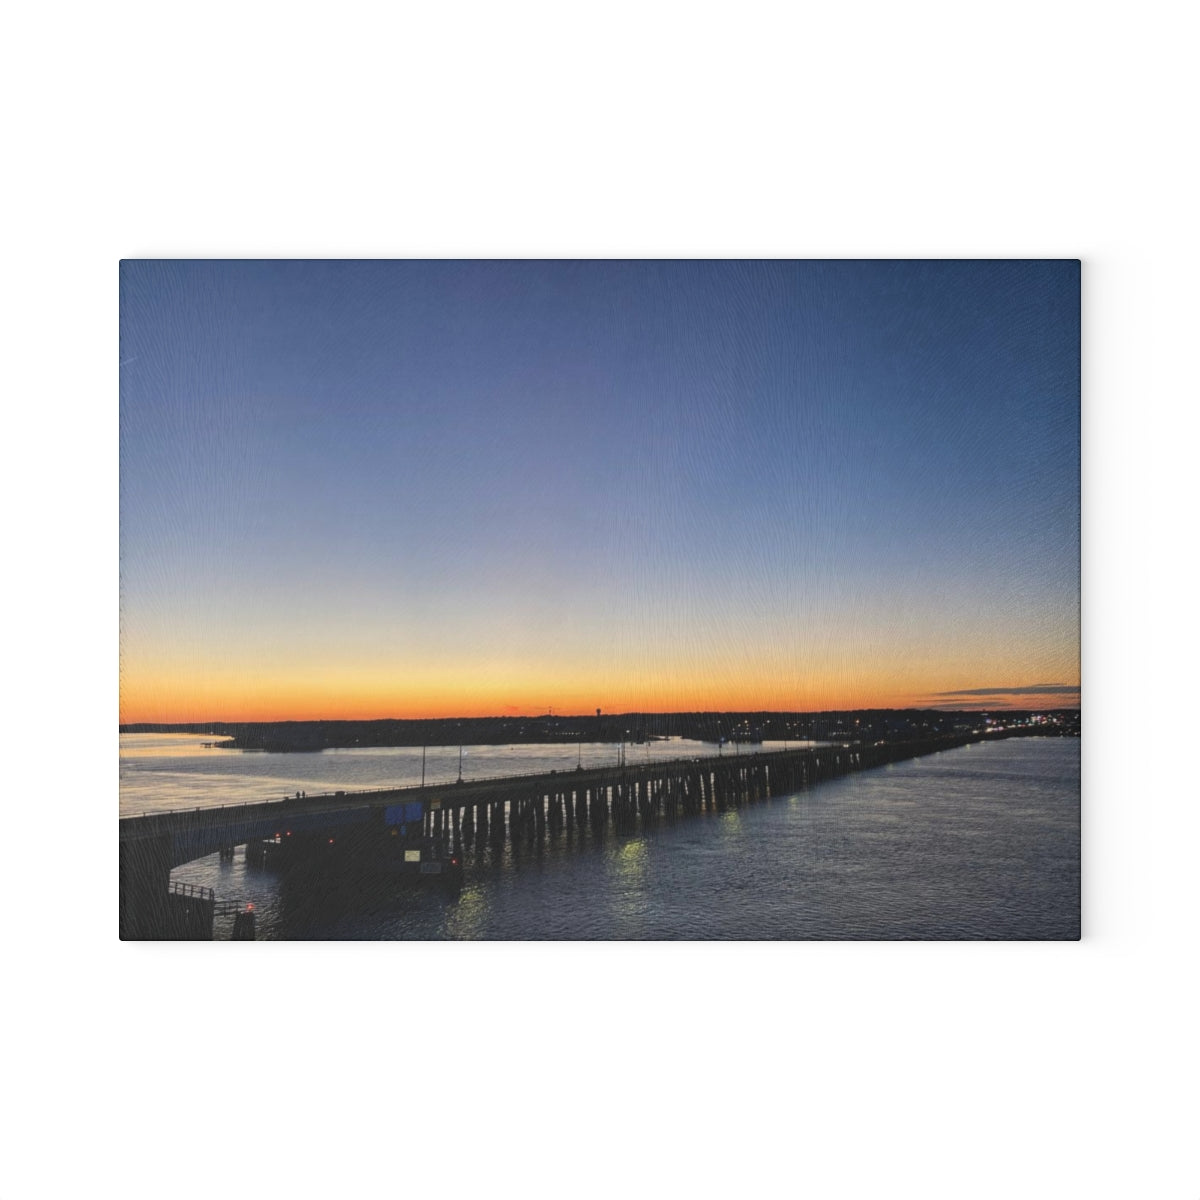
(408, 489)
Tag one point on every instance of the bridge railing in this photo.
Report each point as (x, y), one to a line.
(566, 772)
(197, 891)
(193, 890)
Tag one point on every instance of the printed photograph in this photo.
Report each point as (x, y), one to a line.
(600, 600)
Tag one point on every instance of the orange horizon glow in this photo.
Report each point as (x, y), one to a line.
(170, 706)
(839, 671)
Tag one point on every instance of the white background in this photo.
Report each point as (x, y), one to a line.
(519, 129)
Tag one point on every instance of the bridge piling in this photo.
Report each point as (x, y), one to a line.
(145, 874)
(599, 806)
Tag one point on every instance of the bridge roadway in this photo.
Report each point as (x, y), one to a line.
(197, 832)
(152, 844)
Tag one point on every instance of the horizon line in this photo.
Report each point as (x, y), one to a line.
(640, 712)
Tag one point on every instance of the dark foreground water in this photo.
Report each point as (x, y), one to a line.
(977, 842)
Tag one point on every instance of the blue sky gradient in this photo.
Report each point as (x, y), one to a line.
(430, 488)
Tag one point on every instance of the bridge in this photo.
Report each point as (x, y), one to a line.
(420, 824)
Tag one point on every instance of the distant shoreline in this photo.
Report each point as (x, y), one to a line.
(633, 728)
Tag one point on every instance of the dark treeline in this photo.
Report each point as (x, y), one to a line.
(739, 728)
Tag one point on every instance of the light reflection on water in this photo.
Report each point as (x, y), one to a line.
(977, 842)
(468, 916)
(627, 865)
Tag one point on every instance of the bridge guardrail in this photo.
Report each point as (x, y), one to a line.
(195, 891)
(569, 773)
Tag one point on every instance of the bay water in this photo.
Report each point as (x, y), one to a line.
(978, 842)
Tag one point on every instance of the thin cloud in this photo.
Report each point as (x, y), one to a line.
(1033, 689)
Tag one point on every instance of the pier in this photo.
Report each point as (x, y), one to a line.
(426, 829)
